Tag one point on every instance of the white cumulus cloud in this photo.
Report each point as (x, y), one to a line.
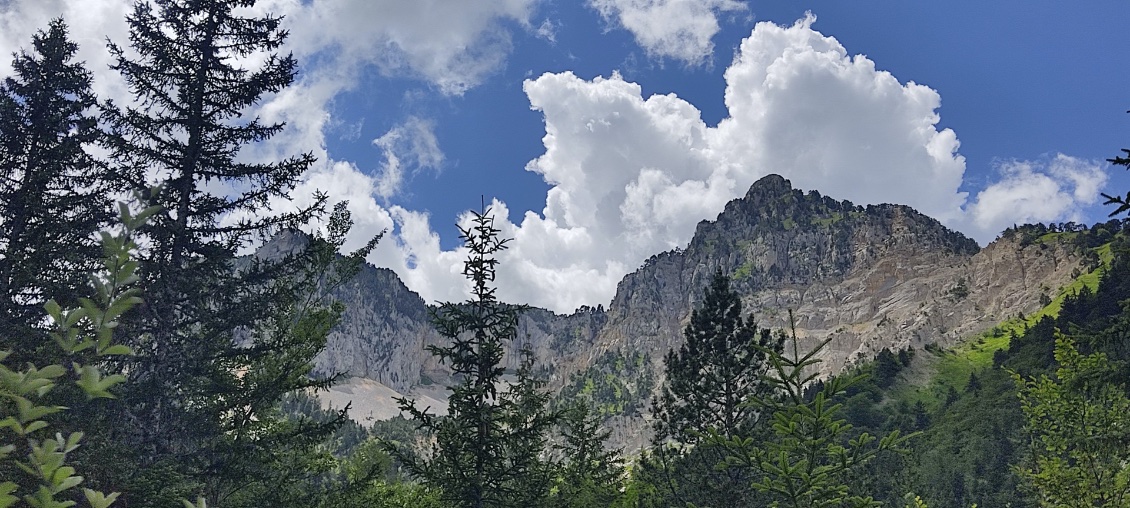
(1048, 190)
(801, 106)
(678, 29)
(453, 44)
(632, 176)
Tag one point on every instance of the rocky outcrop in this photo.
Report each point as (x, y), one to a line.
(382, 334)
(385, 329)
(867, 278)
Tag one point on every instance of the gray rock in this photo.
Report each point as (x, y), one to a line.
(869, 278)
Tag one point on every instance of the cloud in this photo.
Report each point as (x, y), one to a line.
(547, 30)
(801, 106)
(453, 44)
(678, 29)
(89, 24)
(1048, 190)
(632, 176)
(411, 145)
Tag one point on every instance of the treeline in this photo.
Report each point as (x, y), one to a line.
(1002, 436)
(145, 363)
(741, 420)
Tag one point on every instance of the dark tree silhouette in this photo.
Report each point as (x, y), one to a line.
(52, 193)
(711, 381)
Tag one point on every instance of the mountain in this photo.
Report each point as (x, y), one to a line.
(869, 278)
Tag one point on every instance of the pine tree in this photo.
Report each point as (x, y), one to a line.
(711, 381)
(591, 474)
(52, 193)
(489, 449)
(218, 339)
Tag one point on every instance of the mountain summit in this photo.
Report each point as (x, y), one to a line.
(866, 277)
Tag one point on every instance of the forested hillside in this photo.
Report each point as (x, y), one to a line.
(800, 351)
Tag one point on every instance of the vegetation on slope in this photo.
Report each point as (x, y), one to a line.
(965, 401)
(617, 383)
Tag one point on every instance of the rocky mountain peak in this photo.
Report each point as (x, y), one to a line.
(284, 243)
(865, 277)
(769, 186)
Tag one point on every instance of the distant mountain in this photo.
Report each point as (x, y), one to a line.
(869, 278)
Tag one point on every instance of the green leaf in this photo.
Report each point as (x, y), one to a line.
(93, 384)
(53, 309)
(65, 479)
(99, 500)
(200, 503)
(6, 497)
(34, 426)
(26, 411)
(116, 349)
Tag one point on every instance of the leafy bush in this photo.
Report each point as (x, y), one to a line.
(86, 334)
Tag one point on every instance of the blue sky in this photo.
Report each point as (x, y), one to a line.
(981, 114)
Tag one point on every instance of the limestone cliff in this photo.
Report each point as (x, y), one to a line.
(866, 277)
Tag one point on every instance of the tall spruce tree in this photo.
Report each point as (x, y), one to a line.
(711, 380)
(216, 341)
(52, 192)
(489, 449)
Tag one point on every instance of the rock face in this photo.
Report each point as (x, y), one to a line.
(869, 278)
(386, 327)
(382, 333)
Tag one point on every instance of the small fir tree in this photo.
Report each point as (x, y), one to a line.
(807, 461)
(489, 450)
(591, 474)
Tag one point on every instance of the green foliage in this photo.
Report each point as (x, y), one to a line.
(1078, 422)
(960, 290)
(964, 453)
(52, 193)
(84, 334)
(615, 384)
(489, 450)
(590, 475)
(886, 367)
(971, 438)
(809, 460)
(715, 373)
(273, 457)
(220, 339)
(913, 501)
(365, 479)
(711, 380)
(744, 271)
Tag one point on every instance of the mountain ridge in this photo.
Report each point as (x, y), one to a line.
(865, 277)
